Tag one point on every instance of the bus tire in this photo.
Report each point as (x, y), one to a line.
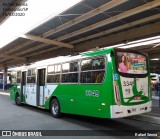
(55, 108)
(17, 100)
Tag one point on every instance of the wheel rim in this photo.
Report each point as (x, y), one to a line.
(55, 108)
(18, 100)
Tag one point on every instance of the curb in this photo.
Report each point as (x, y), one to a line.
(7, 94)
(155, 97)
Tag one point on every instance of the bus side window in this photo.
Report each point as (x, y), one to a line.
(86, 64)
(57, 78)
(31, 79)
(96, 67)
(70, 78)
(50, 78)
(98, 63)
(99, 77)
(70, 72)
(18, 77)
(74, 67)
(53, 73)
(31, 76)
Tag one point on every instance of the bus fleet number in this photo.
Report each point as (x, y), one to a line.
(94, 93)
(127, 83)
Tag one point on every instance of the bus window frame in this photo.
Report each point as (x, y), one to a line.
(130, 75)
(79, 70)
(105, 69)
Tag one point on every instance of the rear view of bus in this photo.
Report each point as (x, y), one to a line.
(131, 79)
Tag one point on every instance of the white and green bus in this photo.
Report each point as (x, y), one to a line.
(108, 83)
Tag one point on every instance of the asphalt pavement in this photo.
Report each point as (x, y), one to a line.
(26, 117)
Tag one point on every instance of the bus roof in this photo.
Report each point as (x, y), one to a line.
(62, 59)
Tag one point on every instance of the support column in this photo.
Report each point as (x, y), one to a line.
(5, 78)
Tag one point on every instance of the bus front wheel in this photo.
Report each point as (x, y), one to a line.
(55, 108)
(17, 100)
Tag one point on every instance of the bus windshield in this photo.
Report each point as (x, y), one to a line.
(131, 63)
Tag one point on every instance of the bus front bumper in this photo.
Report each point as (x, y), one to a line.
(124, 111)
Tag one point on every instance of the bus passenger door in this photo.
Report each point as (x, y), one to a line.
(23, 86)
(40, 87)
